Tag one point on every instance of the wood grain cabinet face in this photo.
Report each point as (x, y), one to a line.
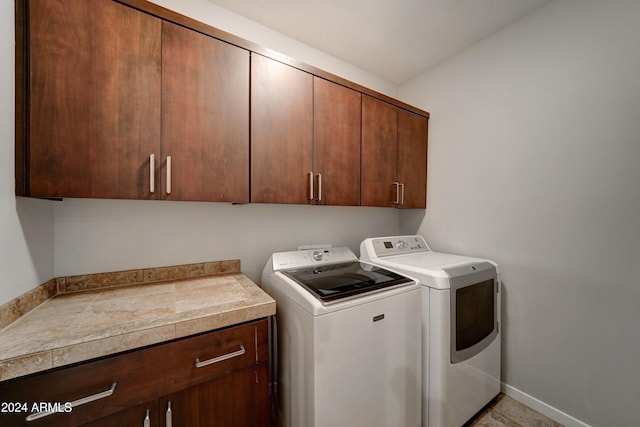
(229, 385)
(394, 156)
(233, 400)
(281, 132)
(118, 101)
(336, 143)
(135, 416)
(412, 159)
(94, 100)
(379, 152)
(205, 117)
(305, 137)
(125, 105)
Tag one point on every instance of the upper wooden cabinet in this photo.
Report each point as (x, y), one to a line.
(379, 152)
(305, 141)
(336, 143)
(124, 105)
(412, 159)
(394, 156)
(281, 132)
(93, 101)
(125, 99)
(205, 117)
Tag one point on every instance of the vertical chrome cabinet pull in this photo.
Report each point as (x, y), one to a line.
(397, 185)
(401, 194)
(152, 173)
(310, 185)
(237, 353)
(168, 415)
(147, 420)
(76, 403)
(168, 174)
(319, 187)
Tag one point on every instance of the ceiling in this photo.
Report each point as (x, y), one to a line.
(393, 39)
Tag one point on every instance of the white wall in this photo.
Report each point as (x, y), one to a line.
(26, 226)
(534, 161)
(103, 235)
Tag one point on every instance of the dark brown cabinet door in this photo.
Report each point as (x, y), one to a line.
(281, 132)
(336, 143)
(236, 400)
(145, 415)
(205, 117)
(379, 152)
(394, 156)
(412, 159)
(94, 103)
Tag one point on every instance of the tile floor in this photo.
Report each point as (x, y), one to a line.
(507, 412)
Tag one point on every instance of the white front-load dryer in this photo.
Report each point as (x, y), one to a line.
(460, 325)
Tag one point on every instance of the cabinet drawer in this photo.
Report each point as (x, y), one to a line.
(97, 388)
(208, 356)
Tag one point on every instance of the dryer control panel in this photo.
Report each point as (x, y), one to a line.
(395, 245)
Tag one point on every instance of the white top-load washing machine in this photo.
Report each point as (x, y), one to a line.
(348, 343)
(460, 325)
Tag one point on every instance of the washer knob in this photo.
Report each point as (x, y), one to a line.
(317, 255)
(402, 244)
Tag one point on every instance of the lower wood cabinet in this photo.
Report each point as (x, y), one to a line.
(233, 400)
(219, 378)
(145, 415)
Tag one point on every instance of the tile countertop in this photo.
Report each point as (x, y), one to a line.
(79, 326)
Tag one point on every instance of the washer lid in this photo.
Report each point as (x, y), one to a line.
(334, 282)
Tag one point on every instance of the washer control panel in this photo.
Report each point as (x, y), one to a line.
(388, 246)
(309, 257)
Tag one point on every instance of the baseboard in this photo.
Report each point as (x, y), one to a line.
(544, 408)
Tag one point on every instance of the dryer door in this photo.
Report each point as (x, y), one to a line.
(474, 309)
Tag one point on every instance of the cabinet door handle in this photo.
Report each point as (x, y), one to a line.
(397, 185)
(319, 187)
(147, 420)
(168, 174)
(237, 353)
(401, 194)
(310, 185)
(168, 415)
(76, 403)
(152, 173)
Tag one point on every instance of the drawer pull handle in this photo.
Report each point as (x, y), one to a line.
(76, 403)
(200, 364)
